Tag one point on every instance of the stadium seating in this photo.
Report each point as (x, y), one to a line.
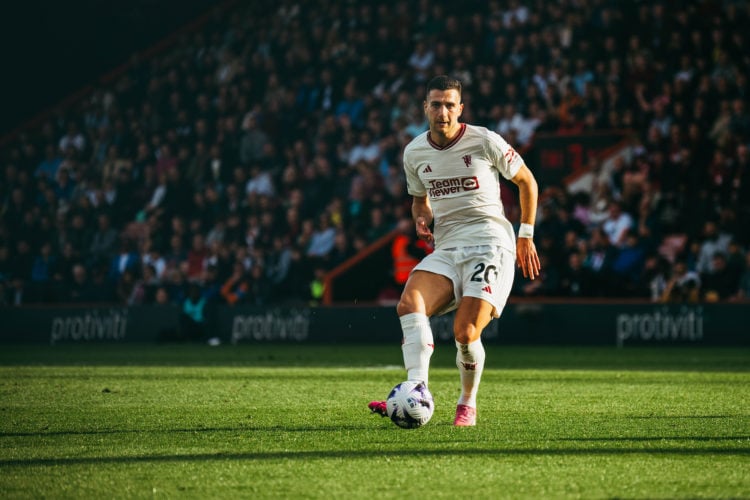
(262, 150)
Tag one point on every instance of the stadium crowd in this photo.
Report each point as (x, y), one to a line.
(263, 149)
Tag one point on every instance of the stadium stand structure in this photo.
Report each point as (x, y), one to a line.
(259, 149)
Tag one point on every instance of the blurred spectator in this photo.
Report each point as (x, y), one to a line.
(735, 259)
(14, 210)
(45, 264)
(73, 139)
(421, 60)
(192, 316)
(175, 285)
(743, 292)
(125, 260)
(6, 265)
(259, 292)
(104, 289)
(211, 285)
(653, 278)
(322, 238)
(342, 250)
(547, 284)
(628, 263)
(317, 286)
(113, 164)
(365, 150)
(80, 289)
(126, 287)
(15, 292)
(683, 285)
(47, 168)
(617, 225)
(236, 287)
(278, 264)
(22, 261)
(351, 106)
(254, 140)
(197, 257)
(406, 252)
(575, 279)
(719, 283)
(144, 288)
(161, 296)
(103, 241)
(378, 225)
(600, 257)
(713, 242)
(260, 182)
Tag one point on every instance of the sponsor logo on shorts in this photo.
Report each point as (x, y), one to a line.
(487, 289)
(444, 187)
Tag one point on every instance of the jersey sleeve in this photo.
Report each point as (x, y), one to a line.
(502, 155)
(414, 185)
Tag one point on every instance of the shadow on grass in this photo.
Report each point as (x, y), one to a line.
(198, 430)
(362, 454)
(672, 417)
(334, 428)
(663, 358)
(656, 438)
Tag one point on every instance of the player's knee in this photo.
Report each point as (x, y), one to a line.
(466, 333)
(406, 305)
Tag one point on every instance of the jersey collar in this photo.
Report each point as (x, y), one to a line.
(450, 144)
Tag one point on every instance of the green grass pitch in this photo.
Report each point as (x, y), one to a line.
(290, 421)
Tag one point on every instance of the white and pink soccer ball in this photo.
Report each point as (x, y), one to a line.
(410, 404)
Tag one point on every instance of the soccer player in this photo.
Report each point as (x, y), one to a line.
(452, 173)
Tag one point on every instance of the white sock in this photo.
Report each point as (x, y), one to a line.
(470, 363)
(417, 346)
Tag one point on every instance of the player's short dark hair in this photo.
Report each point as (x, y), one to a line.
(444, 82)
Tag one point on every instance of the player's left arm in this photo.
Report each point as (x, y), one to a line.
(526, 255)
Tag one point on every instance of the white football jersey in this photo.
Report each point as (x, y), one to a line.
(462, 182)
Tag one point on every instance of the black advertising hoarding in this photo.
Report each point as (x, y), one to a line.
(528, 323)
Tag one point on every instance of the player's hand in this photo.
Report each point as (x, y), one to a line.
(423, 231)
(527, 258)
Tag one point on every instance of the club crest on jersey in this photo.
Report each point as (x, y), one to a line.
(467, 160)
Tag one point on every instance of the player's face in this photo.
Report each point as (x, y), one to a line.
(443, 108)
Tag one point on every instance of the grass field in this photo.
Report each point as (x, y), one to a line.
(281, 421)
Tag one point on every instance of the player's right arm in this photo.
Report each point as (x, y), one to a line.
(528, 191)
(421, 212)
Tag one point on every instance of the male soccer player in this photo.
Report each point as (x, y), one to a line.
(452, 173)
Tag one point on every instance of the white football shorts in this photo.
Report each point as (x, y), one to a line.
(482, 271)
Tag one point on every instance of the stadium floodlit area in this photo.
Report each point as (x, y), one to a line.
(290, 421)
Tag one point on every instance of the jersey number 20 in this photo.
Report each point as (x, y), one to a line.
(489, 276)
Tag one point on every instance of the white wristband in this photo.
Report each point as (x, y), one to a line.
(526, 231)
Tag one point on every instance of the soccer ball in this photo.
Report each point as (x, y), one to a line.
(410, 405)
